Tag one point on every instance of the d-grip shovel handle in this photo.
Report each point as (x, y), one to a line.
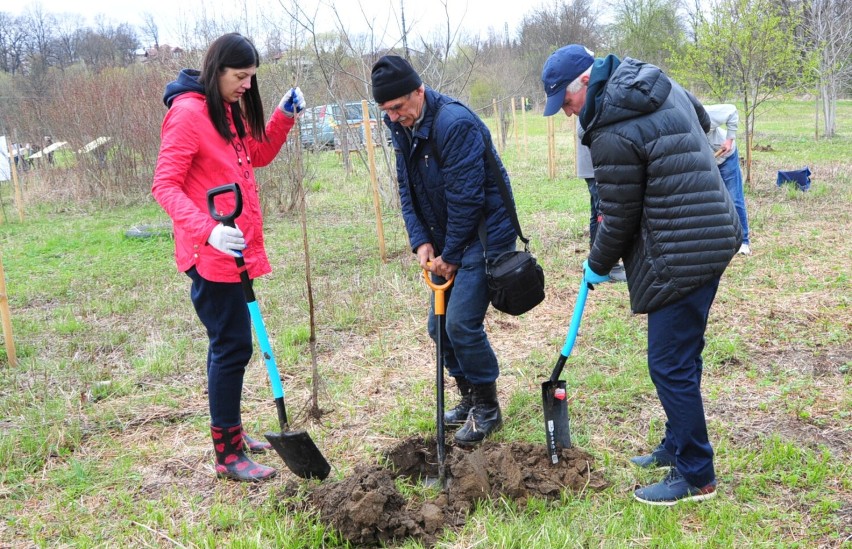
(440, 305)
(572, 330)
(226, 219)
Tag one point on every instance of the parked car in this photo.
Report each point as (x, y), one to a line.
(327, 126)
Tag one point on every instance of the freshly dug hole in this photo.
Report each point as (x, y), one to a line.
(368, 509)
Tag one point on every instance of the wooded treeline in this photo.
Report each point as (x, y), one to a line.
(75, 83)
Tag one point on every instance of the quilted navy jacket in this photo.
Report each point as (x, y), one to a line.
(445, 195)
(665, 208)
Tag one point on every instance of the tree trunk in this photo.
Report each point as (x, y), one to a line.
(816, 115)
(314, 409)
(829, 105)
(749, 118)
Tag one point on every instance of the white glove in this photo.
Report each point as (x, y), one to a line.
(227, 240)
(293, 101)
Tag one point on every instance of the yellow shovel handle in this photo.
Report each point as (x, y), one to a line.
(440, 306)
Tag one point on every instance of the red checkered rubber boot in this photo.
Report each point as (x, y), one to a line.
(231, 459)
(254, 445)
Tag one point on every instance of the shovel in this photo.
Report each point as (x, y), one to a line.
(296, 448)
(553, 397)
(440, 313)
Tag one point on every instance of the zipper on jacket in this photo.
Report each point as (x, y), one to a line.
(426, 158)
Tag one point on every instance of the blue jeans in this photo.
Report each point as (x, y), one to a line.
(594, 209)
(467, 352)
(675, 343)
(733, 178)
(221, 307)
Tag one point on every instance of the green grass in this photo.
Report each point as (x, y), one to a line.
(103, 422)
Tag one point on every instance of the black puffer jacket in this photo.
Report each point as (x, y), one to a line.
(665, 207)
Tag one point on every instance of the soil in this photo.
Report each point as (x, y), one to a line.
(367, 508)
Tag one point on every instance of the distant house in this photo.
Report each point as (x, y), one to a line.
(163, 53)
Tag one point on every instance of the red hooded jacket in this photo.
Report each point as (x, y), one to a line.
(195, 158)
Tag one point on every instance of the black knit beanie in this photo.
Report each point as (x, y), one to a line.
(393, 77)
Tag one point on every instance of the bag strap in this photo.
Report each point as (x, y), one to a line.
(508, 202)
(491, 159)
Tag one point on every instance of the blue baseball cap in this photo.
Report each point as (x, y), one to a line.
(561, 68)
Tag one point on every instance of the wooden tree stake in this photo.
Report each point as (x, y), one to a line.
(515, 129)
(524, 118)
(371, 156)
(7, 319)
(551, 149)
(500, 144)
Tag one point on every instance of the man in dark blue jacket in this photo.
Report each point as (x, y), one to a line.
(666, 211)
(447, 192)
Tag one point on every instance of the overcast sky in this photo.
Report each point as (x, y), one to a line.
(423, 17)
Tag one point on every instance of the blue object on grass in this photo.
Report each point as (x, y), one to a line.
(802, 178)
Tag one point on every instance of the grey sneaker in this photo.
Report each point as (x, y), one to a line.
(660, 457)
(745, 249)
(617, 274)
(673, 489)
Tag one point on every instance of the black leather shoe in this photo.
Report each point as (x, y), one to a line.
(458, 415)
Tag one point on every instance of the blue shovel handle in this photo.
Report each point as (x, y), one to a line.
(251, 301)
(575, 318)
(573, 328)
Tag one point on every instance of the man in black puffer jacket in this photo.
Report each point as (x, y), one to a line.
(664, 210)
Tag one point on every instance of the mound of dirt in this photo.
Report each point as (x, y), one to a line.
(368, 509)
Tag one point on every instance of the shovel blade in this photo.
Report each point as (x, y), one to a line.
(300, 454)
(556, 423)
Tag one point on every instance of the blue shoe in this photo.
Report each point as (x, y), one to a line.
(674, 489)
(660, 457)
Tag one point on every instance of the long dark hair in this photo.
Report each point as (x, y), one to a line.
(232, 51)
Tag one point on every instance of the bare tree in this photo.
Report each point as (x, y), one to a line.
(544, 30)
(42, 30)
(66, 40)
(830, 33)
(108, 45)
(151, 30)
(14, 37)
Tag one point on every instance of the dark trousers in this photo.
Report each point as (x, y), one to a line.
(467, 351)
(221, 307)
(594, 209)
(675, 343)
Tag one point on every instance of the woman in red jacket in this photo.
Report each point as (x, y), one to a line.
(214, 134)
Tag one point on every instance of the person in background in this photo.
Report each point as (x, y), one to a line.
(48, 141)
(665, 211)
(586, 171)
(213, 134)
(724, 145)
(17, 155)
(28, 152)
(33, 149)
(447, 192)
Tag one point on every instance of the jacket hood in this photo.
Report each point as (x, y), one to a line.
(187, 81)
(634, 88)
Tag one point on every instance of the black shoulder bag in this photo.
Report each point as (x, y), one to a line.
(515, 279)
